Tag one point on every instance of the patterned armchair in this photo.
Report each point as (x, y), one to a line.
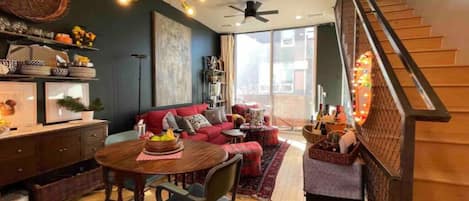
(243, 109)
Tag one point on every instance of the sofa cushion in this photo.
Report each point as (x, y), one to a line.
(187, 111)
(211, 131)
(154, 120)
(185, 125)
(221, 139)
(213, 116)
(169, 121)
(225, 125)
(198, 121)
(242, 109)
(201, 108)
(196, 136)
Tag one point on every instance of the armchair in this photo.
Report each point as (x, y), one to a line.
(218, 183)
(242, 109)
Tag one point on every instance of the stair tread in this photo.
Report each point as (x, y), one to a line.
(439, 85)
(436, 66)
(392, 4)
(427, 50)
(440, 141)
(441, 178)
(396, 11)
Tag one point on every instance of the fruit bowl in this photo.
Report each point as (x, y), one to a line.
(162, 146)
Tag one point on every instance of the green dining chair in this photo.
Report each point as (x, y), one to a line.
(219, 181)
(127, 183)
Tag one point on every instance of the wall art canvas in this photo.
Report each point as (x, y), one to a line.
(58, 90)
(172, 68)
(18, 103)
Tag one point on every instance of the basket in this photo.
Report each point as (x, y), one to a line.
(335, 127)
(69, 188)
(310, 136)
(333, 157)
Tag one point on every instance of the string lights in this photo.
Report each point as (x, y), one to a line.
(362, 87)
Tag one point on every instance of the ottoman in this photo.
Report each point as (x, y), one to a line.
(252, 153)
(265, 135)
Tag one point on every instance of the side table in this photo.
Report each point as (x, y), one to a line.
(235, 135)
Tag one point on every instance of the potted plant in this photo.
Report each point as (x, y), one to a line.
(74, 105)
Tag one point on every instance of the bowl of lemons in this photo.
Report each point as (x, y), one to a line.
(166, 142)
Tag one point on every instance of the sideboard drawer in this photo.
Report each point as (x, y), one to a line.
(94, 134)
(17, 169)
(17, 148)
(60, 149)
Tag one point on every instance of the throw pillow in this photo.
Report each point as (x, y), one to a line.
(213, 116)
(256, 116)
(185, 125)
(169, 121)
(198, 121)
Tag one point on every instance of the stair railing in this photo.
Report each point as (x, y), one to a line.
(388, 135)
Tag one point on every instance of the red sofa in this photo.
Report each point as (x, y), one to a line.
(212, 134)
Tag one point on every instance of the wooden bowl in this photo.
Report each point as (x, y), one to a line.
(161, 146)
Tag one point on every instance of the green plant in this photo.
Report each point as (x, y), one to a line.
(74, 104)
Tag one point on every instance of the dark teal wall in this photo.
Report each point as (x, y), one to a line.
(121, 32)
(329, 66)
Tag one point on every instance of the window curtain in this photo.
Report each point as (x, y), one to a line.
(227, 56)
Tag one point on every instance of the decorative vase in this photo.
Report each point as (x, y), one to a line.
(87, 115)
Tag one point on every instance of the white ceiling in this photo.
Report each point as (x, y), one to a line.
(212, 12)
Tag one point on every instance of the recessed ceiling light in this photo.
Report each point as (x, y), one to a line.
(238, 24)
(299, 17)
(124, 2)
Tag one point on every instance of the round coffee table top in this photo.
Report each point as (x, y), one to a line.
(234, 133)
(196, 156)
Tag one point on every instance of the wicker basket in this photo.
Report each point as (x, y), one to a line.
(69, 188)
(333, 157)
(310, 136)
(335, 127)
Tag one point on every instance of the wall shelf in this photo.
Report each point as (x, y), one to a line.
(34, 77)
(45, 41)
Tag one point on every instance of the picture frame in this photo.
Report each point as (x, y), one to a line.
(18, 103)
(58, 90)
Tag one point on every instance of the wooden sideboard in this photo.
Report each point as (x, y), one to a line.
(27, 154)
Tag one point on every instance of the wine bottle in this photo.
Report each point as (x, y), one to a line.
(323, 129)
(326, 110)
(319, 115)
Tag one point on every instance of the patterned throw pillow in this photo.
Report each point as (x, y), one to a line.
(256, 116)
(169, 121)
(198, 121)
(185, 125)
(213, 116)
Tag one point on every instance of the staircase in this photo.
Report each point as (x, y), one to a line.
(441, 149)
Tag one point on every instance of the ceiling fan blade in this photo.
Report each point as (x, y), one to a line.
(262, 19)
(238, 9)
(257, 5)
(234, 15)
(269, 12)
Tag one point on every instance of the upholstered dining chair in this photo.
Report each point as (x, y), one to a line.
(219, 181)
(127, 182)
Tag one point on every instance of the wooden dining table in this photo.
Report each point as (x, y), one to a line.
(120, 158)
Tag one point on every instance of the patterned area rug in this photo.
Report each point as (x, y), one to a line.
(263, 186)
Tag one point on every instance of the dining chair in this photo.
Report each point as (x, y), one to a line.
(219, 181)
(127, 182)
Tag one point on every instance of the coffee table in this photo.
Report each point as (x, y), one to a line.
(235, 135)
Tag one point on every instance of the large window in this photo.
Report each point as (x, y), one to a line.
(276, 69)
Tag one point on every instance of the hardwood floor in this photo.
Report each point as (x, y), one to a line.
(289, 184)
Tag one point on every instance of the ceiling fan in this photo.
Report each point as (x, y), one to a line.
(251, 12)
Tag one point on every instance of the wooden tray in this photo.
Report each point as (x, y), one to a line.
(333, 157)
(181, 147)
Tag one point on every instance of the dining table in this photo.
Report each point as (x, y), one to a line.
(121, 159)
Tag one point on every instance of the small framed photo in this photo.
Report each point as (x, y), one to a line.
(59, 90)
(18, 103)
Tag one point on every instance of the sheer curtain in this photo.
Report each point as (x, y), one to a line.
(227, 56)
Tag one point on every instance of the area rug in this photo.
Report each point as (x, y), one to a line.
(263, 186)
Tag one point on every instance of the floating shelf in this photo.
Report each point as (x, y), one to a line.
(17, 36)
(32, 77)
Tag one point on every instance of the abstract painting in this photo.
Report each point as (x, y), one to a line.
(172, 69)
(18, 103)
(58, 90)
